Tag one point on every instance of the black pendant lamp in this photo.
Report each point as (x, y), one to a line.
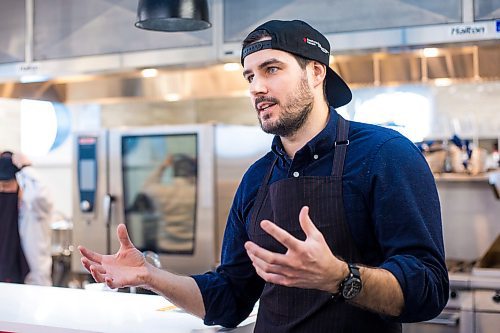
(172, 15)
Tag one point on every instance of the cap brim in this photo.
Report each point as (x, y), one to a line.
(337, 91)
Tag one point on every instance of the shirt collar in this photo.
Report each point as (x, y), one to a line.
(321, 144)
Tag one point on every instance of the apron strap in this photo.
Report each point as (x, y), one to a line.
(341, 143)
(261, 194)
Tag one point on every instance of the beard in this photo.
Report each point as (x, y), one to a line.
(294, 113)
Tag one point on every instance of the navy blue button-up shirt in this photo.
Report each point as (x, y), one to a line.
(392, 209)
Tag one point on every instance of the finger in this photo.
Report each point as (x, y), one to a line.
(265, 266)
(87, 263)
(271, 277)
(306, 223)
(98, 277)
(98, 268)
(266, 255)
(121, 232)
(286, 271)
(91, 255)
(280, 235)
(111, 283)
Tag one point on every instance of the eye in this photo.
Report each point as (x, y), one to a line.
(271, 70)
(249, 78)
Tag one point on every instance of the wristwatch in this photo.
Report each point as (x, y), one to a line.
(352, 285)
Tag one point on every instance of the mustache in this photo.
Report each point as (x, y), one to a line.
(265, 99)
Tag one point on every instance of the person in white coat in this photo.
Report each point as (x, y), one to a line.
(35, 215)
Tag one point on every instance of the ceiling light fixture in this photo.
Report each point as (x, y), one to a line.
(443, 82)
(172, 97)
(173, 15)
(232, 66)
(149, 72)
(430, 52)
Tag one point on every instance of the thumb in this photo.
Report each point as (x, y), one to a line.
(123, 237)
(306, 223)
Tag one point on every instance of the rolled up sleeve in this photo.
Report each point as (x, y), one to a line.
(230, 293)
(407, 219)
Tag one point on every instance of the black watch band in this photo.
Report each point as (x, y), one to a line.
(352, 285)
(354, 270)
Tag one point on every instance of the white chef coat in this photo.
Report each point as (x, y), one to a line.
(35, 217)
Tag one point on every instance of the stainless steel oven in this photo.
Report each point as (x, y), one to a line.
(487, 311)
(159, 181)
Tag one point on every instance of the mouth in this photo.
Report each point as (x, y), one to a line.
(264, 107)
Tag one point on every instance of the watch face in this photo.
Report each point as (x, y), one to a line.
(351, 288)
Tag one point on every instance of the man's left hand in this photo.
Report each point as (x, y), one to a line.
(306, 264)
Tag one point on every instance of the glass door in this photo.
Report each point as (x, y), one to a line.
(159, 174)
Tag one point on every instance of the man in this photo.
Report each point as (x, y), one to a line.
(337, 229)
(25, 216)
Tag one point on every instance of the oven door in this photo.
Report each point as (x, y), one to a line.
(487, 314)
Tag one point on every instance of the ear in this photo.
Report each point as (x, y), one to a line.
(318, 73)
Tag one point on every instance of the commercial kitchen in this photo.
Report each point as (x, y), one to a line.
(98, 100)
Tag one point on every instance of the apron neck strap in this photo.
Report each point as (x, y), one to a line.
(341, 143)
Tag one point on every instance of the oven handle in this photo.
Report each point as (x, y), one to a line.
(107, 206)
(446, 318)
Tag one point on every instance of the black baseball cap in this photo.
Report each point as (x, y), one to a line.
(7, 169)
(301, 39)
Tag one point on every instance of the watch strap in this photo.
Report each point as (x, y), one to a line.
(354, 270)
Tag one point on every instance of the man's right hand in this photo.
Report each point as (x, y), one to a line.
(126, 268)
(129, 268)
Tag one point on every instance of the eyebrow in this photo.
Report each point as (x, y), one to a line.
(266, 63)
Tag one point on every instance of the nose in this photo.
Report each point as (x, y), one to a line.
(258, 86)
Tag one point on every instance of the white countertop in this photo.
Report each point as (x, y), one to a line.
(36, 309)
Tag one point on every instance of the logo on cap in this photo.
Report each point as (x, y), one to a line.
(315, 43)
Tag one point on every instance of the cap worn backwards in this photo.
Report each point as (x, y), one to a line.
(299, 38)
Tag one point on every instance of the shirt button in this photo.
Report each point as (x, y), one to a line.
(296, 174)
(315, 156)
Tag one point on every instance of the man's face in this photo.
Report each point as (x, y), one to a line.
(279, 90)
(8, 186)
